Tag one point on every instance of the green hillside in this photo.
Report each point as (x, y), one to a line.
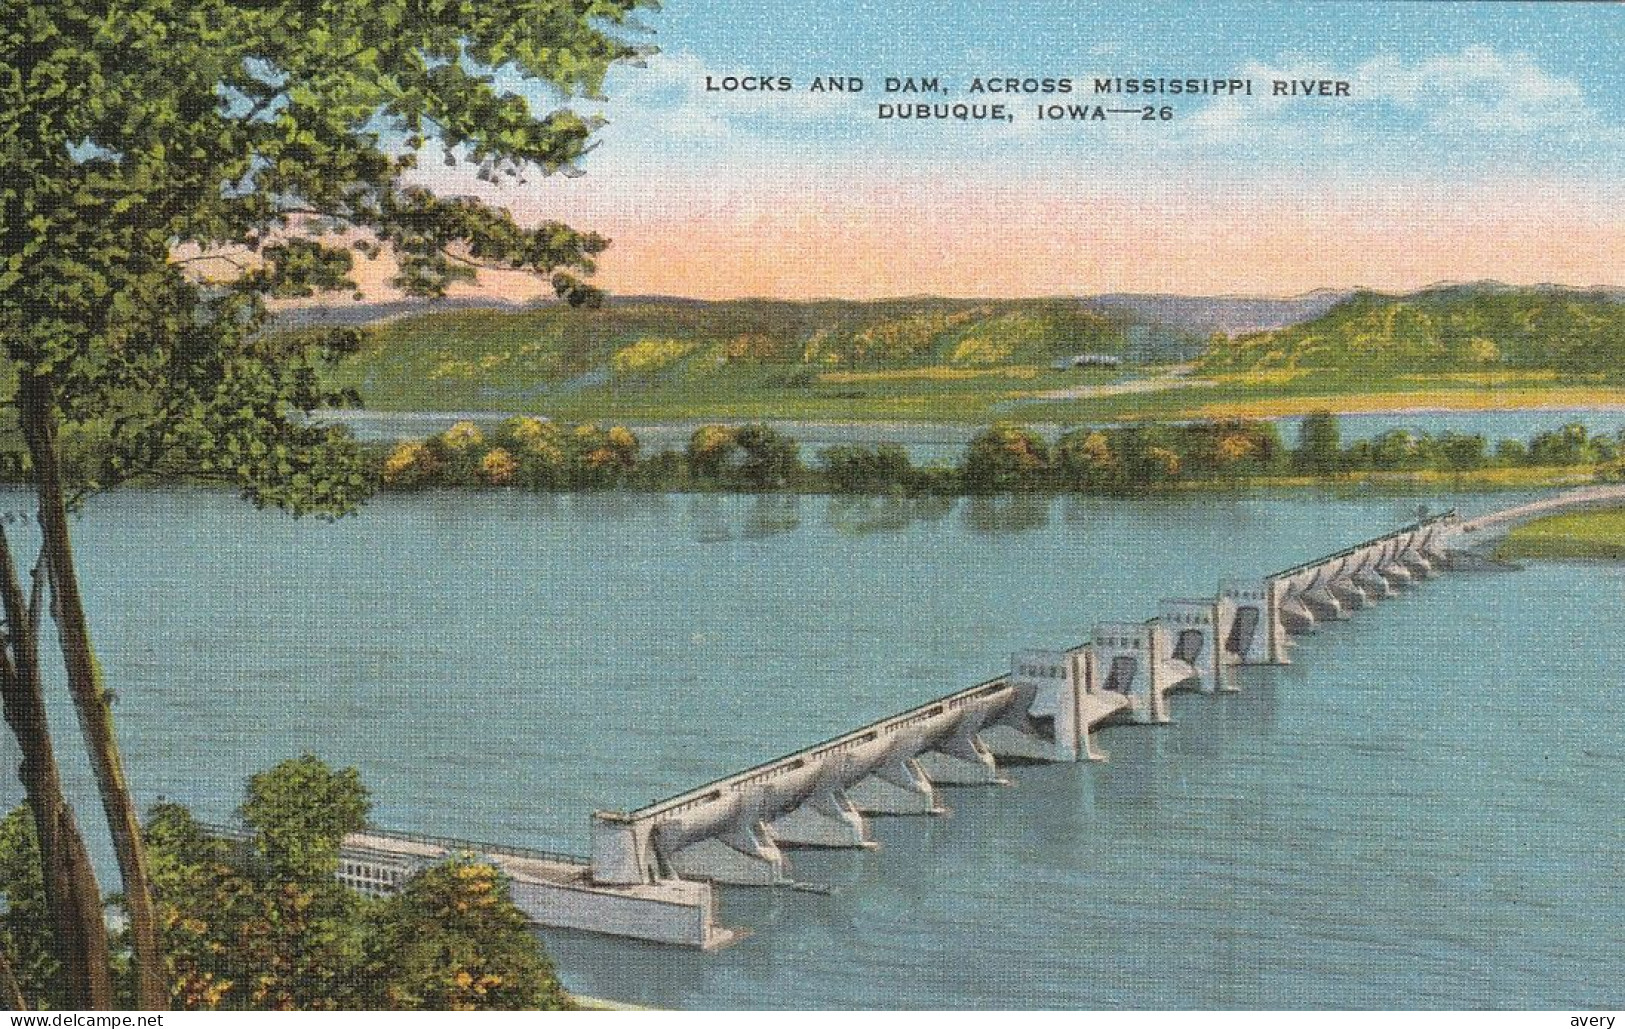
(1478, 346)
(666, 356)
(1460, 329)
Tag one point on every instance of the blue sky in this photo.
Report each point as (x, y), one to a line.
(1540, 47)
(1500, 123)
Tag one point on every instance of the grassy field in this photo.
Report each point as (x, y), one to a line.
(1265, 395)
(1024, 392)
(1425, 481)
(1598, 535)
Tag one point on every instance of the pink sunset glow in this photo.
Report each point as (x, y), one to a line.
(926, 231)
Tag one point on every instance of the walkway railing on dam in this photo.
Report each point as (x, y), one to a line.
(796, 759)
(460, 846)
(1444, 518)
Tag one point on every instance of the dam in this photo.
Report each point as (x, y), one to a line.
(653, 872)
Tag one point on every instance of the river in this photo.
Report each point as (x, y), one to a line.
(1422, 811)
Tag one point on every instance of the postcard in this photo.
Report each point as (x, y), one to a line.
(812, 506)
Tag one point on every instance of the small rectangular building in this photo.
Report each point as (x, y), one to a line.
(1087, 361)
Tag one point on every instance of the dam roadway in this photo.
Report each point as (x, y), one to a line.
(652, 873)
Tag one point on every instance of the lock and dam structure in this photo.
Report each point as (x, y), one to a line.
(652, 873)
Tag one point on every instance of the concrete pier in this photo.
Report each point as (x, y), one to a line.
(550, 889)
(730, 831)
(557, 889)
(1194, 627)
(1250, 625)
(827, 819)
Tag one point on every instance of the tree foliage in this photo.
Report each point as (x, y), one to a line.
(853, 468)
(300, 812)
(1320, 445)
(769, 458)
(750, 457)
(261, 922)
(1124, 460)
(251, 133)
(1005, 458)
(523, 452)
(452, 941)
(26, 938)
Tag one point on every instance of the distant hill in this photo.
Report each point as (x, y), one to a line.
(940, 357)
(365, 312)
(1449, 327)
(1192, 315)
(651, 344)
(1227, 314)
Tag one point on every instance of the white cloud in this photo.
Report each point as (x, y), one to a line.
(1478, 89)
(1263, 117)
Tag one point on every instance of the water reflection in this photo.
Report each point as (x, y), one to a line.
(707, 518)
(771, 514)
(1005, 514)
(862, 515)
(1130, 789)
(614, 505)
(714, 517)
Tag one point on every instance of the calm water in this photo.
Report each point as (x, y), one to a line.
(1423, 811)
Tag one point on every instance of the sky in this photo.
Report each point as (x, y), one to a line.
(1478, 140)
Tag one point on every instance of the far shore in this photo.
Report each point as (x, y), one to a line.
(1583, 535)
(1557, 400)
(1578, 401)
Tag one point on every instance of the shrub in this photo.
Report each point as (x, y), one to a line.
(710, 449)
(410, 464)
(463, 436)
(498, 467)
(647, 356)
(1005, 458)
(859, 469)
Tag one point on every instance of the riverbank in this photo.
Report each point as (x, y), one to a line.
(961, 362)
(1591, 535)
(1484, 480)
(581, 1003)
(1264, 396)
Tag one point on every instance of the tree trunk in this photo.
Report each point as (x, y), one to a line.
(11, 993)
(72, 896)
(90, 699)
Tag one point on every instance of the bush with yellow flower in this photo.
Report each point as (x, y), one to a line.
(498, 467)
(463, 435)
(410, 463)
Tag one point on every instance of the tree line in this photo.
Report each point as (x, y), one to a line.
(530, 453)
